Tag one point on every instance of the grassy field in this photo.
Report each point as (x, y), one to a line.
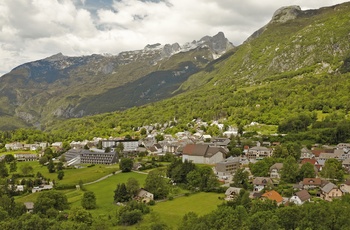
(104, 192)
(72, 176)
(169, 212)
(172, 211)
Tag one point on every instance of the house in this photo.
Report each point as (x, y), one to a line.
(29, 206)
(223, 142)
(345, 187)
(258, 152)
(314, 162)
(129, 145)
(144, 196)
(330, 191)
(231, 193)
(275, 170)
(300, 197)
(306, 153)
(42, 187)
(57, 145)
(261, 182)
(203, 153)
(227, 167)
(25, 157)
(346, 163)
(273, 195)
(311, 183)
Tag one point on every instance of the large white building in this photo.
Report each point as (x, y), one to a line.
(203, 154)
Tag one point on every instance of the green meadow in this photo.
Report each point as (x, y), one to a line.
(169, 212)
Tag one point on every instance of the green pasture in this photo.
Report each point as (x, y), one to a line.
(171, 212)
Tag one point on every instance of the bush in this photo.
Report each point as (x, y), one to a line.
(170, 198)
(151, 202)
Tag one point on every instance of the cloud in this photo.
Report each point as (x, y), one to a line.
(34, 29)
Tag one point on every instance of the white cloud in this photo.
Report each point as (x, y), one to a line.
(34, 29)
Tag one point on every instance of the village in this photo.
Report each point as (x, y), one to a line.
(203, 149)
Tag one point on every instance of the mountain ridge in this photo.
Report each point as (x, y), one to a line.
(69, 85)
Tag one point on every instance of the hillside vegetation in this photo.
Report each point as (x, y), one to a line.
(296, 66)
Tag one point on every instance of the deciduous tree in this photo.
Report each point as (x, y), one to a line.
(89, 200)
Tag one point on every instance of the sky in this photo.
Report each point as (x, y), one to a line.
(36, 29)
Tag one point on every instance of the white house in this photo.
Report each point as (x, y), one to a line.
(203, 154)
(300, 197)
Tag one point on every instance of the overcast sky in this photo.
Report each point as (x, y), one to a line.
(35, 29)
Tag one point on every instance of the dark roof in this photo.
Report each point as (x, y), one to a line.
(312, 181)
(277, 166)
(262, 180)
(303, 195)
(202, 150)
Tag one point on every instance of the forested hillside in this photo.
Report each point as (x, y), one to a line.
(295, 64)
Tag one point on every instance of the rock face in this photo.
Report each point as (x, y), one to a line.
(285, 14)
(282, 15)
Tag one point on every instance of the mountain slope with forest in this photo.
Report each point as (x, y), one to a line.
(298, 63)
(60, 87)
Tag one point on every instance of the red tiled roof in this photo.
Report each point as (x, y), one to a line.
(273, 195)
(308, 160)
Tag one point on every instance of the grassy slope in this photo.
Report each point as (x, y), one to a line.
(290, 68)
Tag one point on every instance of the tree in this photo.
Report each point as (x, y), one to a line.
(13, 166)
(121, 193)
(50, 199)
(3, 169)
(59, 166)
(289, 217)
(333, 169)
(241, 178)
(132, 186)
(51, 166)
(60, 175)
(48, 152)
(290, 170)
(108, 150)
(126, 164)
(143, 131)
(89, 200)
(307, 170)
(9, 158)
(80, 215)
(157, 184)
(43, 160)
(159, 137)
(120, 147)
(99, 144)
(26, 169)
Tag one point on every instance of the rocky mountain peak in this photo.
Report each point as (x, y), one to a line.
(56, 57)
(285, 14)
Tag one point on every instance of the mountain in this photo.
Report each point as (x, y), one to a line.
(297, 64)
(60, 87)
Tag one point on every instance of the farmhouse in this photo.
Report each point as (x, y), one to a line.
(203, 153)
(144, 196)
